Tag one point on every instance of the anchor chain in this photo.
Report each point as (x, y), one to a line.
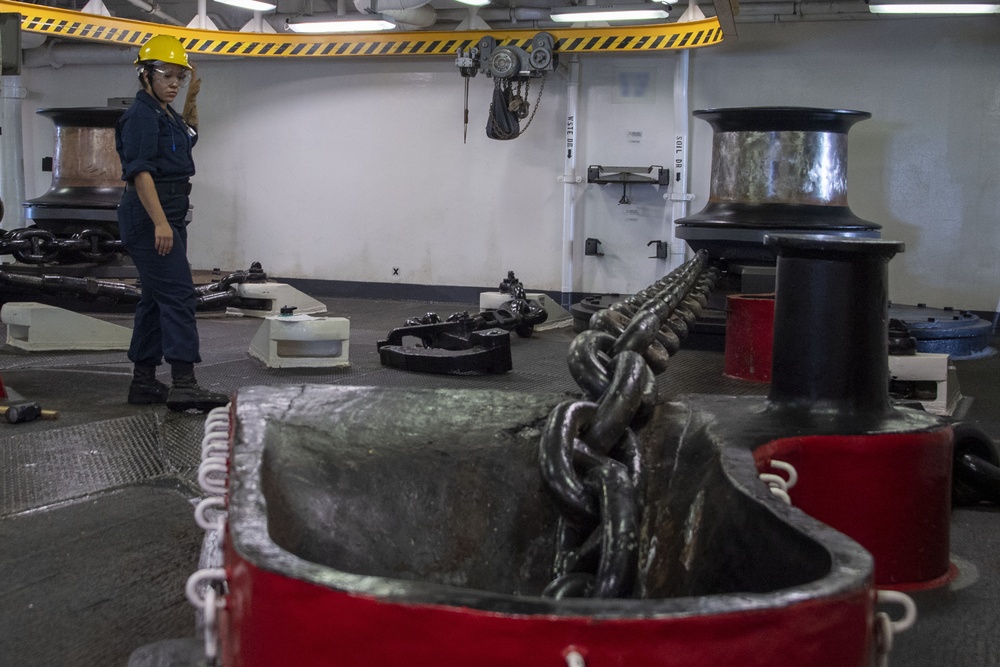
(30, 245)
(589, 450)
(217, 294)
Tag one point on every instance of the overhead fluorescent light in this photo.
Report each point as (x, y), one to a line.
(935, 8)
(584, 13)
(350, 23)
(255, 5)
(475, 3)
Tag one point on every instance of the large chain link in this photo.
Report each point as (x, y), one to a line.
(31, 245)
(589, 450)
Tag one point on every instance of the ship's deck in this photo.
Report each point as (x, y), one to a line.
(97, 536)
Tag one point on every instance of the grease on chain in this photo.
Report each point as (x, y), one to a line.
(589, 451)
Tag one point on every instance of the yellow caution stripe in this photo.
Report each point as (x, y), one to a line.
(94, 28)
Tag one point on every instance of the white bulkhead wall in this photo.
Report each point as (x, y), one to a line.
(346, 169)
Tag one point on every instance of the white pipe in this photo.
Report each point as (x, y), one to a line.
(256, 23)
(56, 55)
(12, 152)
(800, 8)
(570, 179)
(201, 20)
(155, 11)
(423, 16)
(677, 194)
(495, 14)
(409, 13)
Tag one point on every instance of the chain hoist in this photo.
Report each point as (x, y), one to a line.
(589, 451)
(512, 69)
(31, 245)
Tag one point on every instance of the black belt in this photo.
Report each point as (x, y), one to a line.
(166, 187)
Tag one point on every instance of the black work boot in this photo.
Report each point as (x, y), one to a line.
(185, 394)
(145, 388)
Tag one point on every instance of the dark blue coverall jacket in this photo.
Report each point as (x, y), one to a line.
(148, 138)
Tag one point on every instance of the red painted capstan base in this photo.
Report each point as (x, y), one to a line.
(890, 492)
(749, 336)
(274, 620)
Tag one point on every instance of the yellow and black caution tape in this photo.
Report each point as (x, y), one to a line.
(91, 27)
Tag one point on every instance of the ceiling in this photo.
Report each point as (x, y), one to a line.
(498, 14)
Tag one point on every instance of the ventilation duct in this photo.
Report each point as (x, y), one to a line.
(408, 13)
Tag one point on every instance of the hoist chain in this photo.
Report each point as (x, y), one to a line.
(31, 245)
(521, 103)
(589, 450)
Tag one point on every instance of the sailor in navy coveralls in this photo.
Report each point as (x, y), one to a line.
(154, 143)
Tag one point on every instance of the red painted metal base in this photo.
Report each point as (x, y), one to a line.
(890, 492)
(273, 620)
(749, 336)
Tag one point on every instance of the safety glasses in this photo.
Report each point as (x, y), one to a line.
(168, 77)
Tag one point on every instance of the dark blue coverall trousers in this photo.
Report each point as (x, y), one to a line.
(151, 139)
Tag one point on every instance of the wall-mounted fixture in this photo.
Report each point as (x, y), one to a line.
(584, 13)
(348, 23)
(590, 247)
(661, 249)
(898, 7)
(654, 175)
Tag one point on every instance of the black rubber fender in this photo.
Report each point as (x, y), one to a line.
(976, 462)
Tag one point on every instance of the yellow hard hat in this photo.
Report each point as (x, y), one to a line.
(163, 48)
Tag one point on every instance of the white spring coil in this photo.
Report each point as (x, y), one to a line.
(212, 472)
(777, 484)
(204, 586)
(885, 627)
(201, 592)
(219, 523)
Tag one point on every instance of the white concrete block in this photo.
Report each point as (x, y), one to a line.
(929, 368)
(302, 341)
(275, 296)
(37, 327)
